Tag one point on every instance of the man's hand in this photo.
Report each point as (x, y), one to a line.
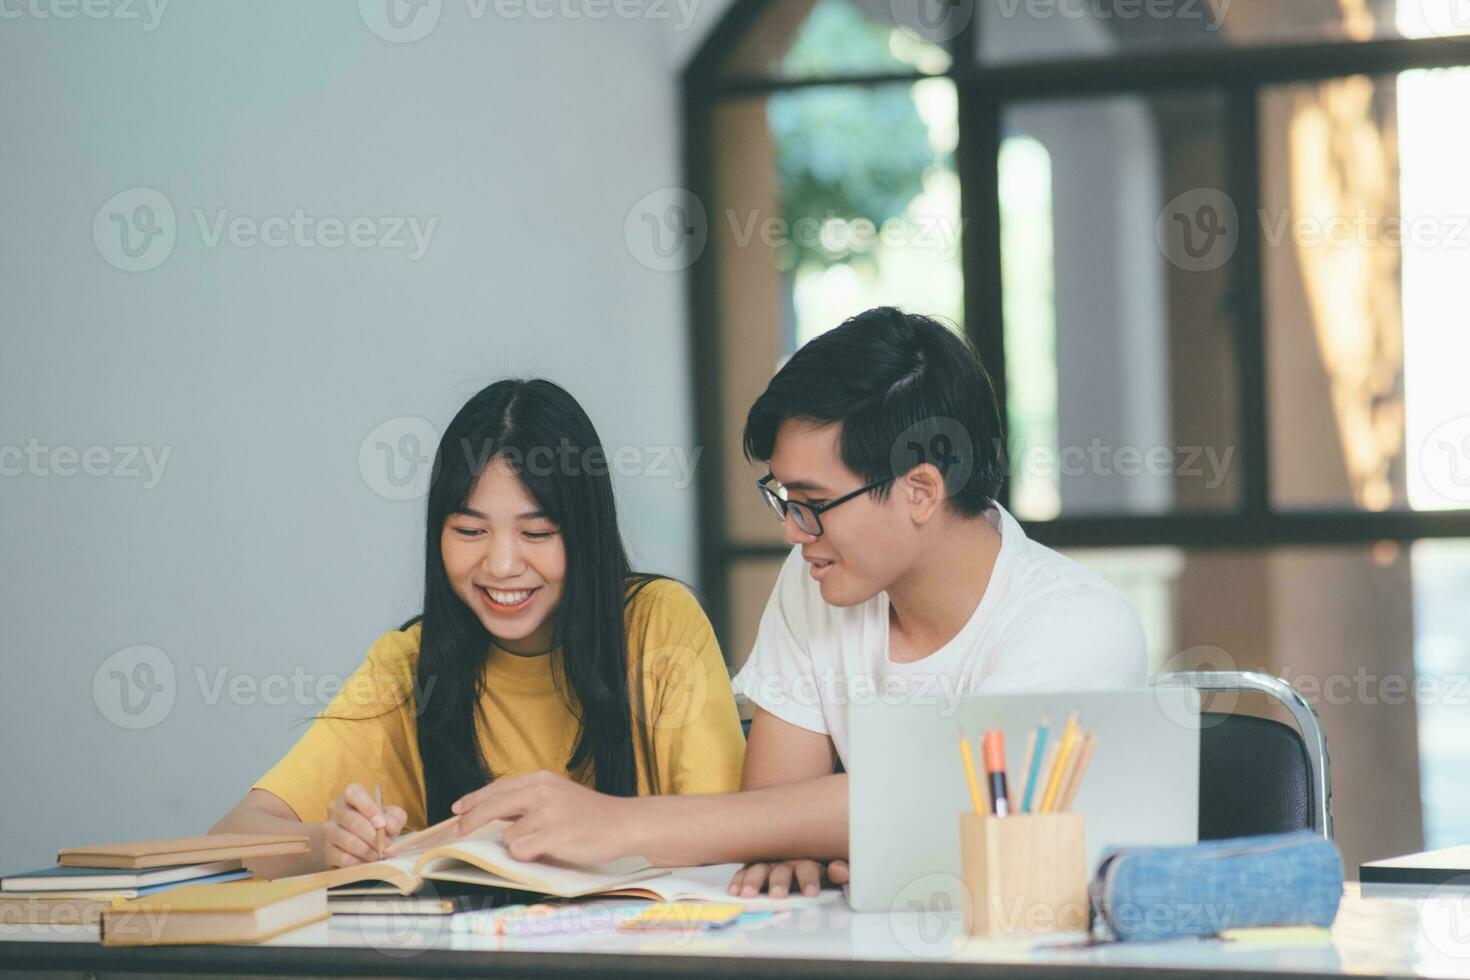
(777, 877)
(552, 817)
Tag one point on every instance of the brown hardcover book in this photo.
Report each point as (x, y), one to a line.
(231, 912)
(180, 850)
(52, 909)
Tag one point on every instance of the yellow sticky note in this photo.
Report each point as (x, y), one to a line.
(673, 915)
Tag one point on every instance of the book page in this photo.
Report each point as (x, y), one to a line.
(397, 872)
(486, 852)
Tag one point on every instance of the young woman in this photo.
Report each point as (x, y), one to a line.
(538, 650)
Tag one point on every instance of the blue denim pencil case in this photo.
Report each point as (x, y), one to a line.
(1203, 889)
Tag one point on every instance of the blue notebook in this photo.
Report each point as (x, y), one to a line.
(207, 879)
(143, 881)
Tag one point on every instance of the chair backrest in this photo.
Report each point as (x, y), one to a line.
(1254, 777)
(1259, 776)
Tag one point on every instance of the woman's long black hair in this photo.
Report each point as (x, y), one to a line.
(543, 434)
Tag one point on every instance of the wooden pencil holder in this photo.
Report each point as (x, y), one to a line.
(1026, 874)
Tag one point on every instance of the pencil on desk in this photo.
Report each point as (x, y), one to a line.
(1059, 768)
(1084, 756)
(1024, 773)
(1035, 748)
(1066, 756)
(1044, 773)
(965, 755)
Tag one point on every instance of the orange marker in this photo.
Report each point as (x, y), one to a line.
(995, 770)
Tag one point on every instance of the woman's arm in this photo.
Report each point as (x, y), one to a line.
(316, 789)
(266, 813)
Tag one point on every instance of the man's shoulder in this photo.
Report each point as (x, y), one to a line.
(1040, 575)
(1062, 612)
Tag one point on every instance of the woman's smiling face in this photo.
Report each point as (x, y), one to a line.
(506, 560)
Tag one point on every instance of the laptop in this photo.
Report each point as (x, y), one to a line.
(1446, 866)
(907, 787)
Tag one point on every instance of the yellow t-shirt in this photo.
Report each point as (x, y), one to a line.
(686, 729)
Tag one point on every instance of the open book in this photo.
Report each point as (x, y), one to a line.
(704, 883)
(482, 859)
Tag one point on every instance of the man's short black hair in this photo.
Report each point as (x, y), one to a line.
(906, 389)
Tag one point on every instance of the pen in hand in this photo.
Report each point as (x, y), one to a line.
(378, 836)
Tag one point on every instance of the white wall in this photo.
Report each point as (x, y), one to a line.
(263, 550)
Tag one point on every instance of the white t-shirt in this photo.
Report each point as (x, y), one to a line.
(1045, 623)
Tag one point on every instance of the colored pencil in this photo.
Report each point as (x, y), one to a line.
(1035, 749)
(1059, 767)
(980, 806)
(1084, 757)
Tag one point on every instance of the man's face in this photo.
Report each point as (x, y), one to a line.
(865, 543)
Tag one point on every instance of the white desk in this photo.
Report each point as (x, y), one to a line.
(1392, 931)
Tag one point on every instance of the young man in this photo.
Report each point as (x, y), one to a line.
(883, 441)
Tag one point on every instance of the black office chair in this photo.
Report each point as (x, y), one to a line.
(1258, 776)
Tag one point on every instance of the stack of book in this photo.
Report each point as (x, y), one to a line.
(87, 881)
(241, 912)
(186, 890)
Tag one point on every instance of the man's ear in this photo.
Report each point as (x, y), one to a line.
(923, 490)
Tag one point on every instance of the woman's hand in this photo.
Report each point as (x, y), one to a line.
(552, 817)
(777, 878)
(351, 831)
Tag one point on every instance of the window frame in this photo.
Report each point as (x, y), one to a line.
(1239, 75)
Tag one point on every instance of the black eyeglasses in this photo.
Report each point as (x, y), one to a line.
(808, 517)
